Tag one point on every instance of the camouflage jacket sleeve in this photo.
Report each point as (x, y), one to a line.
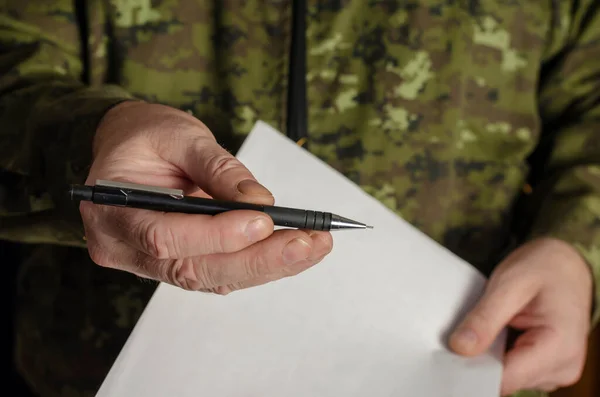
(47, 118)
(569, 182)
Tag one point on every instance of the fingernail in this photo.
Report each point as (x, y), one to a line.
(466, 338)
(295, 251)
(253, 188)
(257, 229)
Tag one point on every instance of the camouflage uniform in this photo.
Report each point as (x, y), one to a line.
(443, 110)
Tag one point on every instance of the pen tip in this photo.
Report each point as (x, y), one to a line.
(369, 227)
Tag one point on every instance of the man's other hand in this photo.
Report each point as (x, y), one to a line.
(162, 146)
(543, 289)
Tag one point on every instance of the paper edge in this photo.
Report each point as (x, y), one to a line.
(262, 125)
(497, 348)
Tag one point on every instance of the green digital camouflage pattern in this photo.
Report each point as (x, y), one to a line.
(431, 106)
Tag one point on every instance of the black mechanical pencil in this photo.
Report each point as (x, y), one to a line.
(173, 200)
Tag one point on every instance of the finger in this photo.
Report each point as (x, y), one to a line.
(176, 236)
(289, 271)
(323, 245)
(283, 248)
(529, 365)
(110, 252)
(505, 296)
(266, 259)
(215, 170)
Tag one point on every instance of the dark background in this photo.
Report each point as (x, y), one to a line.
(15, 386)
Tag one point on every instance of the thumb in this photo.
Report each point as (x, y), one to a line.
(218, 173)
(503, 299)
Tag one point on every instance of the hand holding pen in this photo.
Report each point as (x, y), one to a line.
(161, 146)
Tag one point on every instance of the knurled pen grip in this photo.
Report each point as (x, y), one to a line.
(170, 200)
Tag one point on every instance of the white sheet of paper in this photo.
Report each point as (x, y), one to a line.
(370, 320)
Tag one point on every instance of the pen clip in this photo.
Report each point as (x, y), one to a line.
(175, 193)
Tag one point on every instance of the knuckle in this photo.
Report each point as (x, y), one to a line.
(200, 142)
(203, 274)
(158, 242)
(176, 274)
(221, 163)
(256, 266)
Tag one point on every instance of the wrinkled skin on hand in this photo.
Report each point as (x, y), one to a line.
(159, 145)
